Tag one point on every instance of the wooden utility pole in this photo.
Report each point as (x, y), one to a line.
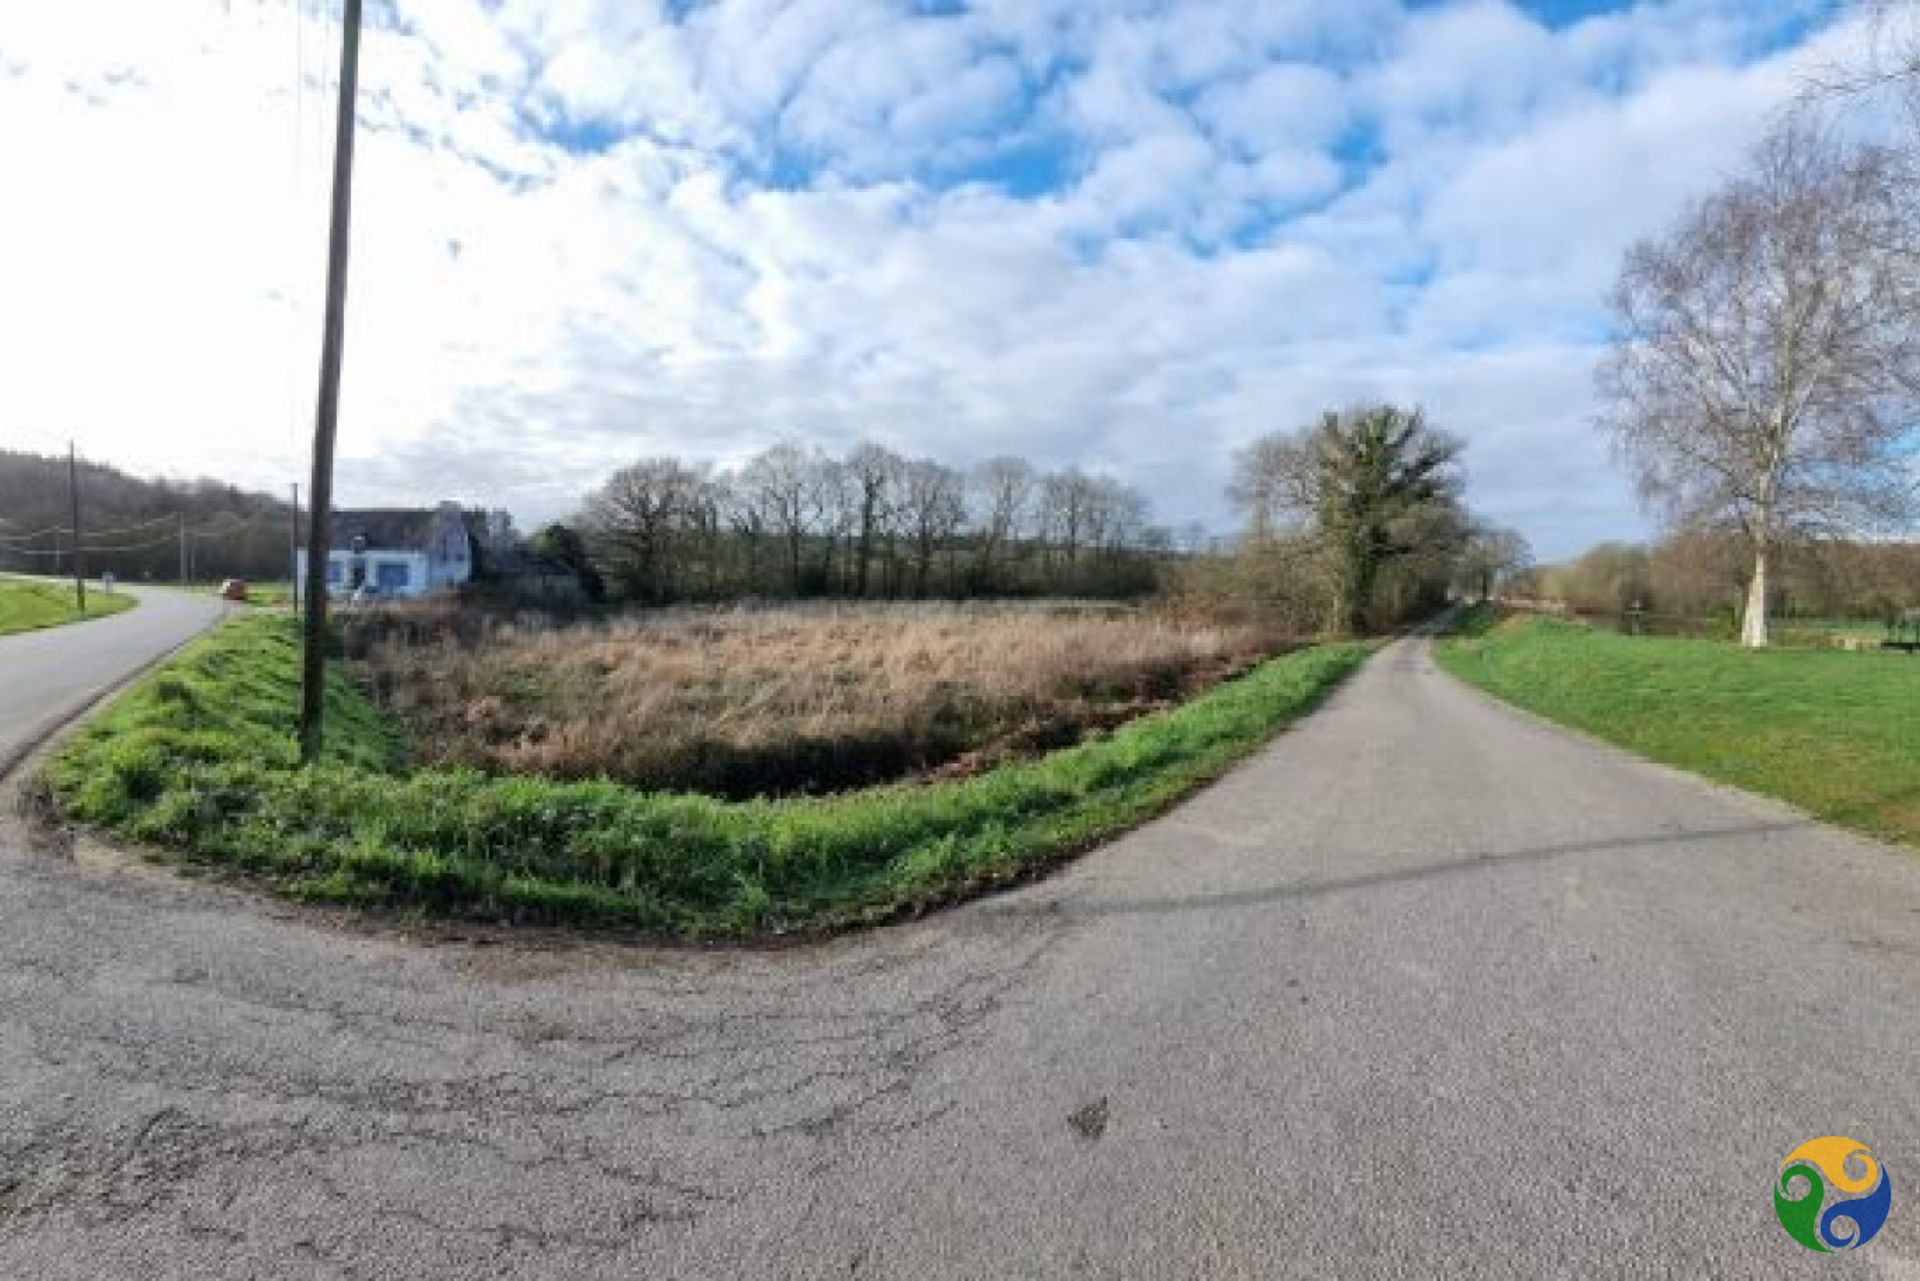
(293, 547)
(73, 494)
(183, 549)
(327, 413)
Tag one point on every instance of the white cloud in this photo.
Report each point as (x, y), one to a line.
(783, 219)
(1281, 105)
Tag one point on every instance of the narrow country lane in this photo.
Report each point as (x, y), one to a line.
(1427, 989)
(47, 676)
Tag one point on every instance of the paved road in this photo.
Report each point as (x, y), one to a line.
(47, 676)
(1428, 989)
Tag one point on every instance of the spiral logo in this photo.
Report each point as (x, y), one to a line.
(1832, 1194)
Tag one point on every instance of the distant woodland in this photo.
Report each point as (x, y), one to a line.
(137, 528)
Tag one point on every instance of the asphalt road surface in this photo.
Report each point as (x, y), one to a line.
(47, 676)
(1428, 989)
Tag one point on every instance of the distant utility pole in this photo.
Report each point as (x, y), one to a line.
(183, 549)
(73, 494)
(293, 547)
(327, 413)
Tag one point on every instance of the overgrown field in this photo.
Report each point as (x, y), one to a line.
(744, 703)
(1835, 733)
(27, 606)
(198, 759)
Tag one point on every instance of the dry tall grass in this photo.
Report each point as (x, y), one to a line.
(750, 702)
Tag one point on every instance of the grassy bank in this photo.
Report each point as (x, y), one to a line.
(1837, 734)
(198, 760)
(27, 606)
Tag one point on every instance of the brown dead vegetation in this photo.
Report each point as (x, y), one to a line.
(777, 701)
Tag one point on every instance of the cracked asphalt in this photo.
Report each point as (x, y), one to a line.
(1426, 989)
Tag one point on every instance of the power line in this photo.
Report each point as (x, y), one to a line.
(138, 524)
(239, 524)
(90, 549)
(36, 534)
(96, 533)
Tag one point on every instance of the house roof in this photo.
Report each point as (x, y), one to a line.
(388, 528)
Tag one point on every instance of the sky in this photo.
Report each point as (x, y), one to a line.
(1129, 236)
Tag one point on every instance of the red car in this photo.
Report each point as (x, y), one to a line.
(233, 589)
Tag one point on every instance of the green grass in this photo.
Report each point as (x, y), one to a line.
(1837, 734)
(27, 606)
(198, 759)
(1838, 626)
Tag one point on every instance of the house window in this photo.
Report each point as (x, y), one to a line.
(391, 576)
(333, 573)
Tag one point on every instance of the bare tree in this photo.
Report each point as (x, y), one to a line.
(1767, 360)
(779, 481)
(1065, 499)
(1270, 479)
(635, 524)
(833, 509)
(875, 473)
(1117, 516)
(740, 510)
(932, 508)
(1004, 488)
(1885, 66)
(1490, 556)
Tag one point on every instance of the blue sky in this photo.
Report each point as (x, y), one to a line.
(1126, 235)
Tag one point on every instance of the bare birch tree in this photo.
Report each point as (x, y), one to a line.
(1767, 356)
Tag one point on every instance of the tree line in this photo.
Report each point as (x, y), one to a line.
(132, 527)
(1704, 574)
(796, 521)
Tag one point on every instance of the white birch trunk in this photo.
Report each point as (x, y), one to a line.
(1753, 627)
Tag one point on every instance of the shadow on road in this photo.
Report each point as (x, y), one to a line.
(1094, 909)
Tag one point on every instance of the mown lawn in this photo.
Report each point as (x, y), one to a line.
(1837, 734)
(198, 760)
(1871, 629)
(27, 606)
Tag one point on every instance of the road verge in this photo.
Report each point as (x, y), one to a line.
(197, 761)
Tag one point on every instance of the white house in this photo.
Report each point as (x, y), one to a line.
(393, 552)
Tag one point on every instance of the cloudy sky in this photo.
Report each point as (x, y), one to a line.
(1127, 235)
